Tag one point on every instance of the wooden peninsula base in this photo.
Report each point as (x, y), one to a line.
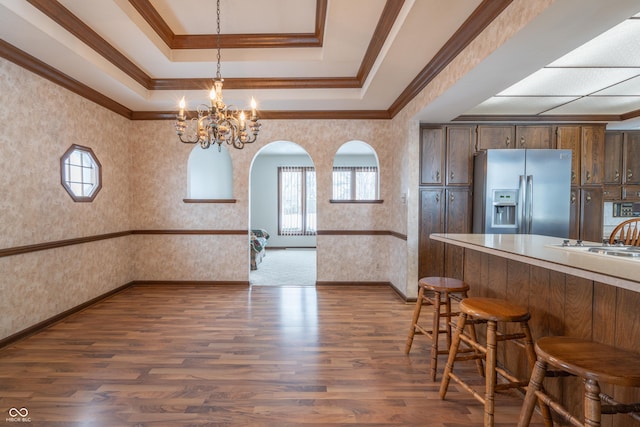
(568, 292)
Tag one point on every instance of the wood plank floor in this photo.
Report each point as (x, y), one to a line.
(216, 356)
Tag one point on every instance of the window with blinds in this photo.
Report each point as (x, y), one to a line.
(355, 183)
(296, 201)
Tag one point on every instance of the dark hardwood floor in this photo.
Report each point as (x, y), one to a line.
(264, 356)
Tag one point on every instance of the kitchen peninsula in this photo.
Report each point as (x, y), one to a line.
(568, 292)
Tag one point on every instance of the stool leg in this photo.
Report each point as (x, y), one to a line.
(414, 321)
(535, 384)
(462, 320)
(435, 333)
(592, 404)
(447, 299)
(531, 356)
(474, 337)
(490, 374)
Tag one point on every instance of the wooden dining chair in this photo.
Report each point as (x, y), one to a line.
(627, 232)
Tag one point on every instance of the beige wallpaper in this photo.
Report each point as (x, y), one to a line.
(144, 182)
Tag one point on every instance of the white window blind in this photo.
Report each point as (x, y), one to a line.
(297, 200)
(355, 183)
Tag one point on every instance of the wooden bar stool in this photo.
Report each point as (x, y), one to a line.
(594, 363)
(438, 292)
(489, 311)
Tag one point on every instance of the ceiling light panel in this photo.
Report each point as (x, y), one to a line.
(599, 105)
(518, 105)
(618, 47)
(569, 81)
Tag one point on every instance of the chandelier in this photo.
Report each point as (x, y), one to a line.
(217, 123)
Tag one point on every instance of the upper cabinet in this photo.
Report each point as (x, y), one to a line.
(622, 166)
(446, 155)
(587, 146)
(514, 136)
(534, 137)
(494, 136)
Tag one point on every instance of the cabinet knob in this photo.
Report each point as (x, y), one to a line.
(617, 175)
(573, 199)
(508, 141)
(522, 141)
(451, 197)
(629, 174)
(437, 198)
(588, 176)
(573, 176)
(588, 198)
(437, 175)
(451, 175)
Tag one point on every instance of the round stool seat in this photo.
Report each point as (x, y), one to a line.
(497, 310)
(591, 360)
(443, 284)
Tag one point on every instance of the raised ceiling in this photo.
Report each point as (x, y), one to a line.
(330, 58)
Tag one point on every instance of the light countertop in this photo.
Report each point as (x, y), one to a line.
(546, 252)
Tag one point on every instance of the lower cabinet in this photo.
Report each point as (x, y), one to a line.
(442, 210)
(587, 214)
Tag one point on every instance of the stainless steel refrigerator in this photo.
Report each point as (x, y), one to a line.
(522, 192)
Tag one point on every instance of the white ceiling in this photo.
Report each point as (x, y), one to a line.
(575, 84)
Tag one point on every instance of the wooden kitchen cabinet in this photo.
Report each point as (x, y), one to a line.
(622, 166)
(586, 143)
(591, 214)
(446, 155)
(631, 158)
(613, 146)
(568, 138)
(442, 210)
(432, 155)
(574, 214)
(459, 155)
(535, 137)
(592, 155)
(495, 136)
(631, 193)
(512, 136)
(431, 252)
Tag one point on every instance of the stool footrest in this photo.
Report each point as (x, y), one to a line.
(507, 337)
(615, 407)
(557, 407)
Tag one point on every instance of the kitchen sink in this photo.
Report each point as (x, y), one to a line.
(622, 251)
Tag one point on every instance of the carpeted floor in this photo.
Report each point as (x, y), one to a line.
(286, 267)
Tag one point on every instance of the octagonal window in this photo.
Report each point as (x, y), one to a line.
(81, 174)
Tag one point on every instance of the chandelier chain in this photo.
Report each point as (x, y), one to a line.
(218, 74)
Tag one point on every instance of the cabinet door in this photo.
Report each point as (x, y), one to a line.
(458, 220)
(432, 156)
(592, 155)
(431, 252)
(574, 214)
(611, 192)
(632, 158)
(591, 214)
(495, 137)
(534, 137)
(568, 138)
(613, 158)
(631, 193)
(459, 155)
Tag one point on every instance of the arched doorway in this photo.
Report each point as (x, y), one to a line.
(282, 204)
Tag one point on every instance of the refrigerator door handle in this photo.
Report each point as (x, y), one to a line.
(521, 205)
(529, 204)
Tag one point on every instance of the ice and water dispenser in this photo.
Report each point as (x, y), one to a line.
(505, 207)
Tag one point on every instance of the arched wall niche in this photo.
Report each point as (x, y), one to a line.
(209, 174)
